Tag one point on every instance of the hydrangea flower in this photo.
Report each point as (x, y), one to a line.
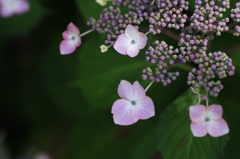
(130, 42)
(208, 120)
(71, 39)
(134, 104)
(11, 7)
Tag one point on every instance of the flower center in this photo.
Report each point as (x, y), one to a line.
(73, 37)
(133, 102)
(133, 42)
(207, 119)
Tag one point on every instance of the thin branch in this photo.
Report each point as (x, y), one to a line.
(231, 49)
(170, 34)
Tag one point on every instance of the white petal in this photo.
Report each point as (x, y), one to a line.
(144, 109)
(131, 32)
(122, 43)
(217, 128)
(123, 114)
(133, 50)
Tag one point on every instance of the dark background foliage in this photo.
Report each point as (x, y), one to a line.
(62, 104)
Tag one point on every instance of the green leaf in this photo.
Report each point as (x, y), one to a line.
(175, 139)
(89, 8)
(18, 24)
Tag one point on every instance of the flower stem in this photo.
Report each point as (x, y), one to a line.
(85, 33)
(148, 86)
(199, 96)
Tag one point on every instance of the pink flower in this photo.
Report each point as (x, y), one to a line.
(130, 42)
(134, 104)
(71, 40)
(208, 120)
(11, 7)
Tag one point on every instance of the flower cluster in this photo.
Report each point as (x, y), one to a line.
(11, 7)
(207, 16)
(124, 31)
(235, 15)
(170, 15)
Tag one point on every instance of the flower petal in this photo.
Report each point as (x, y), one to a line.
(144, 108)
(199, 129)
(73, 29)
(138, 91)
(66, 35)
(131, 32)
(142, 40)
(133, 50)
(123, 113)
(122, 43)
(214, 111)
(67, 47)
(197, 113)
(22, 6)
(217, 128)
(125, 90)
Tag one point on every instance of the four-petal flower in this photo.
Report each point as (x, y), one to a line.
(134, 104)
(130, 42)
(208, 120)
(11, 7)
(71, 40)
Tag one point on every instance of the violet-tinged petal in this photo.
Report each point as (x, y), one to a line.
(144, 108)
(122, 43)
(73, 29)
(138, 91)
(66, 35)
(6, 12)
(197, 113)
(22, 6)
(133, 50)
(67, 47)
(125, 90)
(217, 128)
(142, 41)
(199, 129)
(131, 32)
(123, 114)
(214, 111)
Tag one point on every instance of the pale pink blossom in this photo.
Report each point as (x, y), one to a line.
(11, 7)
(207, 120)
(71, 39)
(130, 42)
(134, 104)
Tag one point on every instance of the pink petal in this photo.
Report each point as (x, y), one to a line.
(131, 32)
(123, 113)
(23, 6)
(67, 47)
(142, 40)
(122, 43)
(125, 90)
(197, 113)
(199, 129)
(133, 50)
(6, 12)
(214, 111)
(66, 35)
(144, 108)
(138, 91)
(73, 29)
(217, 128)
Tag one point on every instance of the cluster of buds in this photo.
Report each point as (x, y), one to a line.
(125, 33)
(235, 15)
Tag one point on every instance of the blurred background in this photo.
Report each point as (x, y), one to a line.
(60, 106)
